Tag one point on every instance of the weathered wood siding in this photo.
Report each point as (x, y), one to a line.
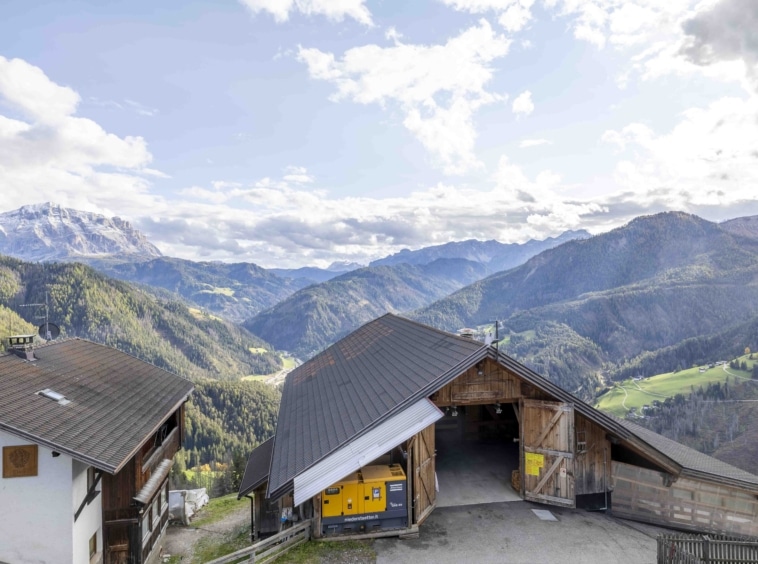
(642, 495)
(592, 463)
(547, 452)
(423, 474)
(494, 384)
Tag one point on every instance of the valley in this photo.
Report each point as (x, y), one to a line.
(656, 297)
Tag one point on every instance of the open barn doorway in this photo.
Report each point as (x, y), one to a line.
(476, 454)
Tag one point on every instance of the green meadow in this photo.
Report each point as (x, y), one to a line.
(629, 394)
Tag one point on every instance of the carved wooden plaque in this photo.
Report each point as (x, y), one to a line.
(19, 461)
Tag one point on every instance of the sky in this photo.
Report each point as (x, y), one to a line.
(302, 132)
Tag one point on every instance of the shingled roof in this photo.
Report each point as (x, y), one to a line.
(117, 401)
(357, 383)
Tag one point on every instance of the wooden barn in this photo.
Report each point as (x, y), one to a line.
(464, 423)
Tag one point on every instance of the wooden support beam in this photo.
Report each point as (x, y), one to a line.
(546, 477)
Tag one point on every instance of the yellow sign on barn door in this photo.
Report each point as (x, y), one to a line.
(547, 451)
(534, 461)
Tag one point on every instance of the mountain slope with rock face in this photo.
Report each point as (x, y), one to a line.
(49, 232)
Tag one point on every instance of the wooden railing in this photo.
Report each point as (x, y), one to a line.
(270, 548)
(706, 549)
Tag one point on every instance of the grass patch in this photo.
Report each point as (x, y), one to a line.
(214, 290)
(288, 362)
(256, 378)
(217, 546)
(199, 314)
(314, 552)
(217, 509)
(257, 350)
(635, 394)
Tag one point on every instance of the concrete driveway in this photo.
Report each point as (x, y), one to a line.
(512, 532)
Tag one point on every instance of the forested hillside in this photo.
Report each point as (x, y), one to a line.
(84, 303)
(317, 316)
(653, 283)
(233, 291)
(228, 419)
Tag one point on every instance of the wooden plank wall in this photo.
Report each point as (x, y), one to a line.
(592, 464)
(472, 388)
(547, 430)
(423, 475)
(641, 495)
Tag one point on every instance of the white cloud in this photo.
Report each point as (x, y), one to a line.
(526, 143)
(293, 224)
(297, 175)
(336, 10)
(709, 158)
(513, 15)
(523, 105)
(49, 154)
(438, 105)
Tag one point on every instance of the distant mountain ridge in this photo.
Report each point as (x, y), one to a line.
(235, 291)
(589, 305)
(48, 232)
(494, 255)
(316, 316)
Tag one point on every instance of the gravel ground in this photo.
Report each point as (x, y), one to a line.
(180, 540)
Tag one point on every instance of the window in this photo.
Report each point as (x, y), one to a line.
(93, 546)
(164, 496)
(146, 522)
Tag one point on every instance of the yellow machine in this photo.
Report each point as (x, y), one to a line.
(373, 498)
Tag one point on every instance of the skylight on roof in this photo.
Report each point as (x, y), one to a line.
(53, 395)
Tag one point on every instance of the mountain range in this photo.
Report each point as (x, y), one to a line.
(576, 308)
(664, 291)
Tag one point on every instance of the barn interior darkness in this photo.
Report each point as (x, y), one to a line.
(476, 454)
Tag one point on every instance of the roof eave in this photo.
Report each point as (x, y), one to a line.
(99, 464)
(751, 487)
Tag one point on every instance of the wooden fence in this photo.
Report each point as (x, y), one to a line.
(706, 549)
(270, 548)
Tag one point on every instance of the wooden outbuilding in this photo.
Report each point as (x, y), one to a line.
(389, 392)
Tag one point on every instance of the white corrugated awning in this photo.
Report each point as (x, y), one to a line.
(365, 448)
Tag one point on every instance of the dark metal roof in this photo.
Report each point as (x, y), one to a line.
(256, 471)
(356, 384)
(694, 464)
(117, 401)
(365, 378)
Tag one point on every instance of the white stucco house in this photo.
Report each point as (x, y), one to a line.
(87, 435)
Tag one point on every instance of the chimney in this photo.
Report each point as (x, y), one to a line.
(466, 333)
(23, 346)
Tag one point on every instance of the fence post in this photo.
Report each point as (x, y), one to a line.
(706, 549)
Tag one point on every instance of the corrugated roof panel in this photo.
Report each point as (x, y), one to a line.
(365, 448)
